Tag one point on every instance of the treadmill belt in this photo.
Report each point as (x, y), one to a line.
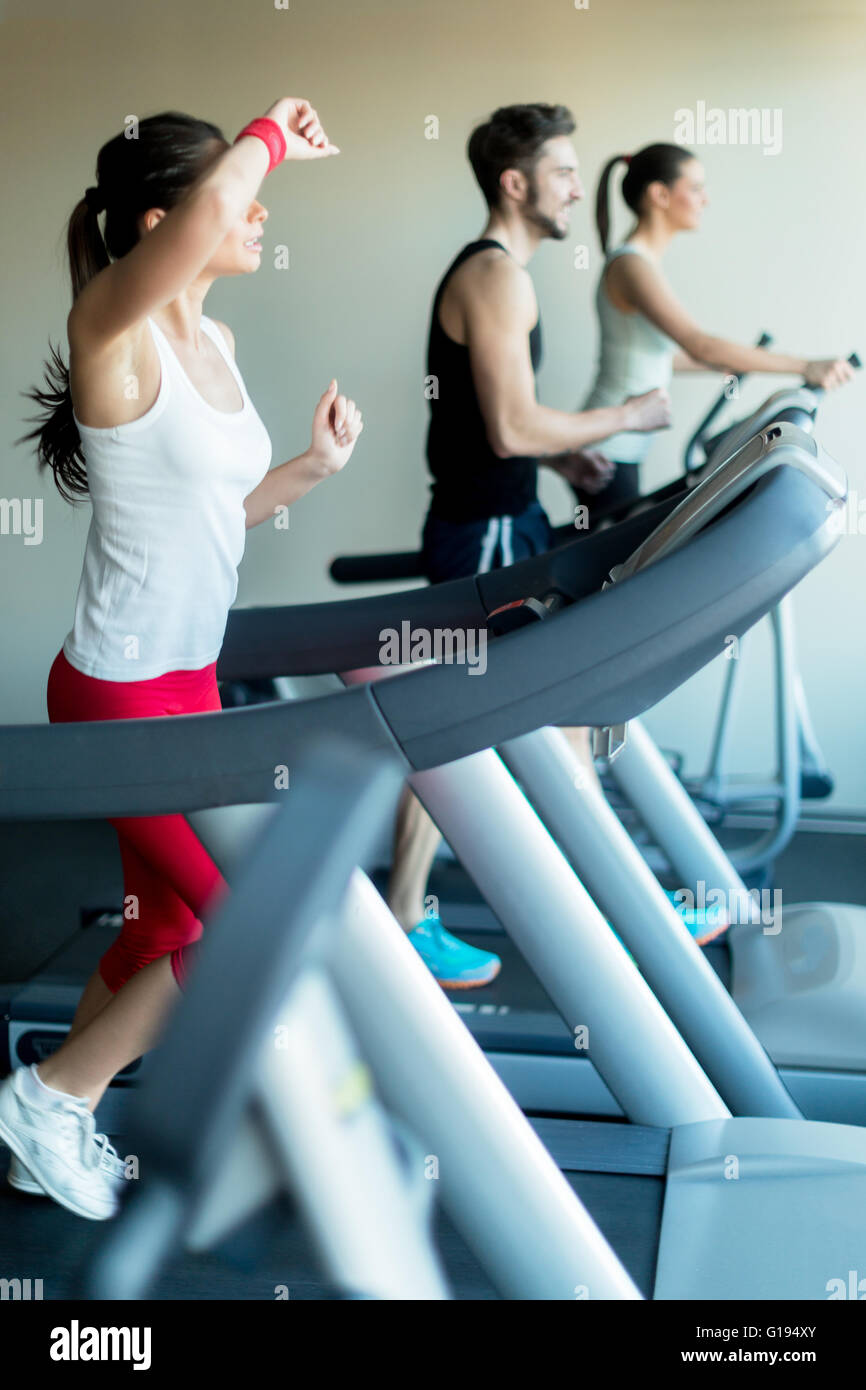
(582, 1146)
(628, 1212)
(272, 1248)
(513, 1012)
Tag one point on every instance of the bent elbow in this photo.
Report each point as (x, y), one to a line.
(503, 441)
(703, 349)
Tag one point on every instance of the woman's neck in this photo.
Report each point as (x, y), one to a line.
(652, 236)
(180, 319)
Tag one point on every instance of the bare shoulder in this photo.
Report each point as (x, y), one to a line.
(94, 356)
(488, 290)
(492, 277)
(227, 334)
(629, 280)
(628, 271)
(133, 344)
(100, 372)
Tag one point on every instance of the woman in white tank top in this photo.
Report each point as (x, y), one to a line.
(152, 421)
(645, 332)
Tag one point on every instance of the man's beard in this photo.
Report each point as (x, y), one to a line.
(546, 225)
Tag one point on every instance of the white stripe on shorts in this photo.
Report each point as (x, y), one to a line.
(507, 552)
(488, 545)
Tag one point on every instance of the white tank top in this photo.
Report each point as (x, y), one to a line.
(634, 357)
(168, 527)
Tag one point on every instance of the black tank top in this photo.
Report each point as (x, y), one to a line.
(469, 482)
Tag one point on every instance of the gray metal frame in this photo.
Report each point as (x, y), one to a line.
(649, 784)
(732, 1183)
(352, 988)
(797, 747)
(626, 890)
(730, 1180)
(191, 1126)
(502, 1188)
(799, 975)
(566, 941)
(783, 789)
(499, 1184)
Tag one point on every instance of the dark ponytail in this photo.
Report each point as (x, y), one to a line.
(653, 164)
(602, 200)
(152, 169)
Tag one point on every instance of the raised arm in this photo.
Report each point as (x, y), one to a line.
(165, 261)
(499, 312)
(643, 286)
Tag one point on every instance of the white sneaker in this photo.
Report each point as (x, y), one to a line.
(58, 1148)
(20, 1177)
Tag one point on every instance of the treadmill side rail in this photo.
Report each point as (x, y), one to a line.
(782, 444)
(501, 1187)
(758, 1209)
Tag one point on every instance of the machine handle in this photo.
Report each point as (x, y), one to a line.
(365, 569)
(781, 443)
(694, 446)
(853, 361)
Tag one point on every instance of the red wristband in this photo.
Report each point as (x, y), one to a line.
(265, 129)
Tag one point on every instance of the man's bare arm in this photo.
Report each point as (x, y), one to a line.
(500, 310)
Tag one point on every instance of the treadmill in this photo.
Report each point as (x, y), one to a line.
(800, 980)
(802, 988)
(801, 771)
(274, 1073)
(513, 1018)
(602, 656)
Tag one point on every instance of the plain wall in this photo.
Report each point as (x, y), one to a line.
(370, 233)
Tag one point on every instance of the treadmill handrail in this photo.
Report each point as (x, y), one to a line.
(295, 878)
(189, 762)
(376, 568)
(602, 659)
(781, 443)
(699, 438)
(802, 399)
(344, 634)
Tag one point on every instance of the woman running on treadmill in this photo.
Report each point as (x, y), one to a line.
(152, 420)
(646, 333)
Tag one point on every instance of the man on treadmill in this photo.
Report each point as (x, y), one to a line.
(488, 433)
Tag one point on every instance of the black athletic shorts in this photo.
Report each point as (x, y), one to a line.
(455, 549)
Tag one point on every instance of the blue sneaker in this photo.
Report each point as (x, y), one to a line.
(452, 963)
(704, 923)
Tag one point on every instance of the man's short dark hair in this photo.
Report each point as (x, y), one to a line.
(512, 139)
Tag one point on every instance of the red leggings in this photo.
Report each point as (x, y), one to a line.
(169, 879)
